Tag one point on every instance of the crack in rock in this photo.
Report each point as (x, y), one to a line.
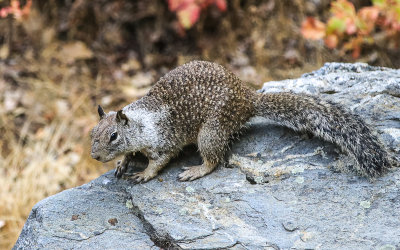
(164, 241)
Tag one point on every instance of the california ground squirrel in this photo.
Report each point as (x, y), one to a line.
(204, 103)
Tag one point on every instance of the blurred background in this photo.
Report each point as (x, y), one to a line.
(59, 59)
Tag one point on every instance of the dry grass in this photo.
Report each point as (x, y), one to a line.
(44, 125)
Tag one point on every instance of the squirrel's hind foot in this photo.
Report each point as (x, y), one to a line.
(143, 176)
(195, 172)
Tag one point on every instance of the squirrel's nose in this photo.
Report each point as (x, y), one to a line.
(96, 157)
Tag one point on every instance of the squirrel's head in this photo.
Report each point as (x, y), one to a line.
(107, 136)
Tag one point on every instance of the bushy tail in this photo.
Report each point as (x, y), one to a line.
(329, 121)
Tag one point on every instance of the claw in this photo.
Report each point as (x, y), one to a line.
(193, 173)
(120, 170)
(116, 173)
(142, 177)
(116, 169)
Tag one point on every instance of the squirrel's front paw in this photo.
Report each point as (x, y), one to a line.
(120, 169)
(144, 176)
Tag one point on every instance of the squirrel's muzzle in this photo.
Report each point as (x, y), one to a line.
(95, 156)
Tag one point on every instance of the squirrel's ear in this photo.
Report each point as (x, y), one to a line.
(121, 117)
(101, 112)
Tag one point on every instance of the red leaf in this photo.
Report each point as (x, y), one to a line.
(350, 26)
(189, 15)
(313, 29)
(367, 19)
(15, 9)
(355, 46)
(175, 5)
(369, 14)
(14, 4)
(331, 41)
(4, 12)
(221, 4)
(356, 52)
(27, 8)
(188, 11)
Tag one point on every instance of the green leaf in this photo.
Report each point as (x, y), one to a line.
(343, 8)
(397, 10)
(379, 3)
(336, 25)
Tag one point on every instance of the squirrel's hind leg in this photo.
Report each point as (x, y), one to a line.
(212, 142)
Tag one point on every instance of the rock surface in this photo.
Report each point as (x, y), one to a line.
(280, 189)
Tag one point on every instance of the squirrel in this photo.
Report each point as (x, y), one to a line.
(203, 103)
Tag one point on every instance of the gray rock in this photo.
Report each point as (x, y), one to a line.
(279, 189)
(87, 217)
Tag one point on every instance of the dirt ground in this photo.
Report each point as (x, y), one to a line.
(68, 57)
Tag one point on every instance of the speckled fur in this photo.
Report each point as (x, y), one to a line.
(202, 102)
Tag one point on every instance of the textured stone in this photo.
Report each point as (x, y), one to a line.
(279, 189)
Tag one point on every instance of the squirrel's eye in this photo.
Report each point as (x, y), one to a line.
(113, 136)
